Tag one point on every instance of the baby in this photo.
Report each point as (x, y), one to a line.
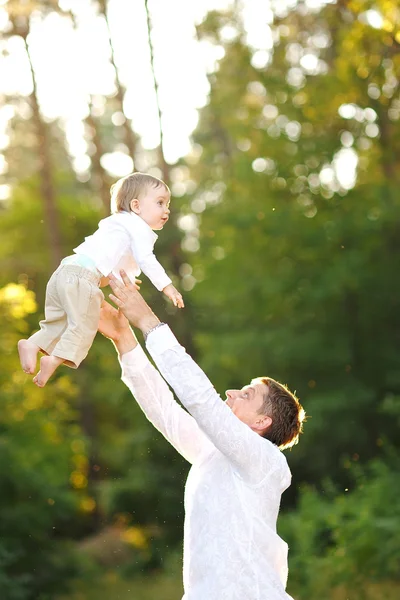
(124, 240)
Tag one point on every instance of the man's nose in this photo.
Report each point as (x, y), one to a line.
(230, 393)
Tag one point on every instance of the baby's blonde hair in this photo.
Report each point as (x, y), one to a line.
(132, 186)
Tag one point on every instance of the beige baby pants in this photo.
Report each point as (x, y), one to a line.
(72, 310)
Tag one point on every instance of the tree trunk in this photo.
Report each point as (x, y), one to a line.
(88, 422)
(101, 182)
(45, 169)
(161, 157)
(174, 250)
(130, 138)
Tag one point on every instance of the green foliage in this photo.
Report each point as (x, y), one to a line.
(166, 584)
(348, 539)
(91, 432)
(290, 271)
(25, 252)
(37, 503)
(302, 264)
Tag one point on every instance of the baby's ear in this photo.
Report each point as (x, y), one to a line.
(134, 205)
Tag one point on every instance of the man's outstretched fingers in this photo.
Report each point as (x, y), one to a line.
(116, 300)
(126, 279)
(115, 283)
(118, 288)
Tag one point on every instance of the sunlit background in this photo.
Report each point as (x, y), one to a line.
(71, 59)
(276, 125)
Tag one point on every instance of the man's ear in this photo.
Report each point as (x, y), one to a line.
(262, 423)
(134, 205)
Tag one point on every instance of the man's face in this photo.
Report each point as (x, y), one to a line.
(153, 207)
(246, 404)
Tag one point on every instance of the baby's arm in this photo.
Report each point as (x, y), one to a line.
(148, 263)
(155, 272)
(172, 293)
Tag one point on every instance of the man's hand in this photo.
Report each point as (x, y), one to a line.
(115, 326)
(113, 323)
(128, 299)
(172, 293)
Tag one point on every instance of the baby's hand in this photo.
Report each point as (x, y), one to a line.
(172, 293)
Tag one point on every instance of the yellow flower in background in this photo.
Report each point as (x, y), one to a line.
(81, 462)
(135, 536)
(18, 301)
(387, 25)
(87, 504)
(78, 480)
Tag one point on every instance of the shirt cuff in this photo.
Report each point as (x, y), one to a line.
(160, 340)
(133, 361)
(162, 283)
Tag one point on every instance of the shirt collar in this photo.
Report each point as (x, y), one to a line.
(141, 223)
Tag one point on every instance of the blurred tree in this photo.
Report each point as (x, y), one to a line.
(100, 180)
(39, 441)
(165, 169)
(298, 222)
(289, 255)
(129, 135)
(20, 19)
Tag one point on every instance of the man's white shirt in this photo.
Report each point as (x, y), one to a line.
(232, 495)
(125, 241)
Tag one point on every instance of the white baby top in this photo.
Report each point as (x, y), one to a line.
(125, 241)
(232, 496)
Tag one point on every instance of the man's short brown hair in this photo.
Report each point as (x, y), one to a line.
(285, 410)
(130, 187)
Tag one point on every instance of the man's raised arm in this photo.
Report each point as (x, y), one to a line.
(149, 388)
(251, 454)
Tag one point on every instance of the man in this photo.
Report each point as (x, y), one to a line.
(233, 491)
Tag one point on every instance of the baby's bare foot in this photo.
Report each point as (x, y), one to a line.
(48, 364)
(28, 355)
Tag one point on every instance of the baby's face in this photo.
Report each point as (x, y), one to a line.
(154, 207)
